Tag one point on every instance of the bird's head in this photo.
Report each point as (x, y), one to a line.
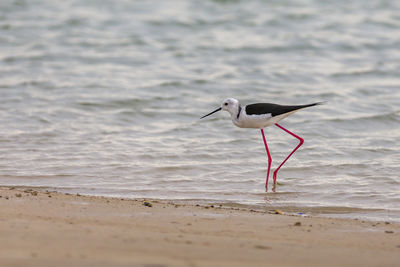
(230, 104)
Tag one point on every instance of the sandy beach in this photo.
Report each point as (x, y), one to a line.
(39, 228)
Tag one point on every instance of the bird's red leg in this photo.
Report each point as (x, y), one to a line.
(294, 150)
(269, 159)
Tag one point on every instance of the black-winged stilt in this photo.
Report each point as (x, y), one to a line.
(261, 115)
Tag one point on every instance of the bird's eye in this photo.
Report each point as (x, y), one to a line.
(226, 104)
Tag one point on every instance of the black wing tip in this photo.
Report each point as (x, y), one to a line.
(311, 105)
(319, 103)
(315, 104)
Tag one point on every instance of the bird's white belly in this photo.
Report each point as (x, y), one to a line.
(259, 121)
(256, 121)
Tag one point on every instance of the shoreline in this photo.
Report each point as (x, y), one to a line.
(334, 212)
(51, 228)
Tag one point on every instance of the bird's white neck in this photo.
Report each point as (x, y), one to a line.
(235, 113)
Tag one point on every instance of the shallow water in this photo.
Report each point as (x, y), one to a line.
(104, 98)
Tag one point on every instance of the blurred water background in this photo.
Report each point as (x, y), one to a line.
(104, 98)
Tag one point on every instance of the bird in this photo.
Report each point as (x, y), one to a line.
(259, 116)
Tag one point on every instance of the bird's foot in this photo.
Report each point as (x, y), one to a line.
(274, 187)
(274, 179)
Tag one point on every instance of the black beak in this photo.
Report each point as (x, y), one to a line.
(218, 109)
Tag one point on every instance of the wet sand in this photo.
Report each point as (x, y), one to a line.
(56, 229)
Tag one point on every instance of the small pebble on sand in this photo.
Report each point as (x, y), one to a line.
(147, 204)
(278, 212)
(262, 247)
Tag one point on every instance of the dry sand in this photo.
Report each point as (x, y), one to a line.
(55, 229)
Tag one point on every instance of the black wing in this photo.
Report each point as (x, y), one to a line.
(273, 109)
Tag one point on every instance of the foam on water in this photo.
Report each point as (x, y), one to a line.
(104, 98)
